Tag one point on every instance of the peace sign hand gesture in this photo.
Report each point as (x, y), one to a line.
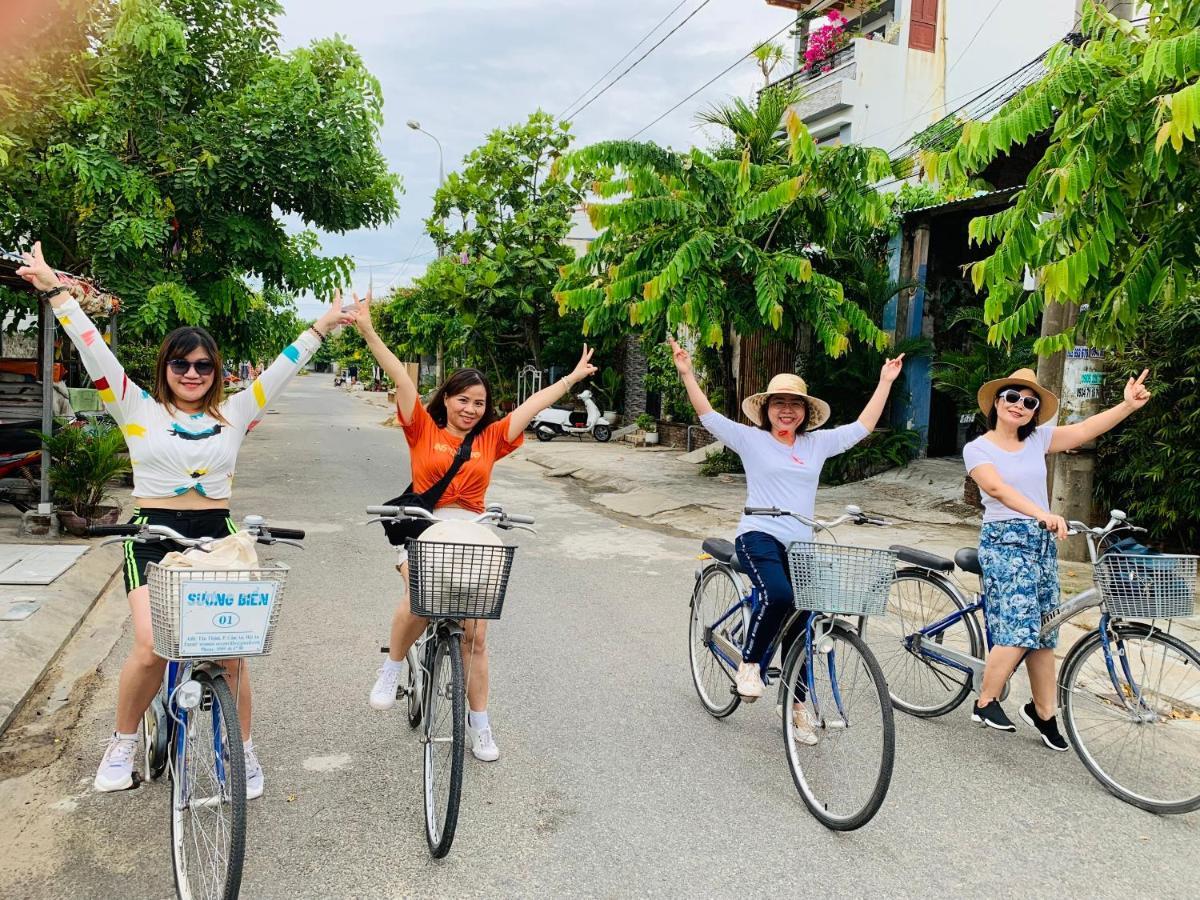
(683, 359)
(891, 369)
(584, 368)
(1137, 394)
(36, 271)
(359, 313)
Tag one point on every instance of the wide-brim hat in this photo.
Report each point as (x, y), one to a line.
(1048, 409)
(818, 410)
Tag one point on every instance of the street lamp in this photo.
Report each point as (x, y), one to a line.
(440, 371)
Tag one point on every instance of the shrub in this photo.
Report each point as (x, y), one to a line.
(646, 422)
(881, 451)
(723, 461)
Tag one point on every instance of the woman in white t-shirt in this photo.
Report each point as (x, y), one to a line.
(1018, 557)
(783, 456)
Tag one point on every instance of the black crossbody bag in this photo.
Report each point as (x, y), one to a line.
(400, 531)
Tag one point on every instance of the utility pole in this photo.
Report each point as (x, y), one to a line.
(440, 365)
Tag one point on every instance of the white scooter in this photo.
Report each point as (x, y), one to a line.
(550, 423)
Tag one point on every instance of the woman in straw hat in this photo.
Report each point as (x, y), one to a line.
(782, 455)
(1016, 544)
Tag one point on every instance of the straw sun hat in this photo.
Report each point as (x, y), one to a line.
(1048, 408)
(818, 410)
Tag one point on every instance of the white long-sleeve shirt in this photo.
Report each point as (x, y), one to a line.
(780, 475)
(174, 452)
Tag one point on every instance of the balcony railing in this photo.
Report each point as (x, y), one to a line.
(807, 73)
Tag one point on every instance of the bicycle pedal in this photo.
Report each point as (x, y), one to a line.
(385, 649)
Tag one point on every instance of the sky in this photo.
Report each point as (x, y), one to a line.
(465, 67)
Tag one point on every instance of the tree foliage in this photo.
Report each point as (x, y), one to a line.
(159, 145)
(1109, 215)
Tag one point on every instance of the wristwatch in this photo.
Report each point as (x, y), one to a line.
(53, 292)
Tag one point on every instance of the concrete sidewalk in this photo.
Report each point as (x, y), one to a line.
(924, 499)
(28, 648)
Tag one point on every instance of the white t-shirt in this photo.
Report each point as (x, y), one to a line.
(779, 475)
(1023, 469)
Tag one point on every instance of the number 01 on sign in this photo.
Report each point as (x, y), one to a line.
(224, 618)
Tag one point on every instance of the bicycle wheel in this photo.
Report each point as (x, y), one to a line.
(208, 809)
(412, 688)
(918, 684)
(1142, 750)
(716, 593)
(445, 737)
(844, 777)
(156, 729)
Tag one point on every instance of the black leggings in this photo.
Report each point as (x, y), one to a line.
(191, 523)
(765, 560)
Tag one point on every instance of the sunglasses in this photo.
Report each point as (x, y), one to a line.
(1012, 398)
(203, 367)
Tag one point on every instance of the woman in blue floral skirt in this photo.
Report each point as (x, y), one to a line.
(1017, 554)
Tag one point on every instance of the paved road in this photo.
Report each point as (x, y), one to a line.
(613, 781)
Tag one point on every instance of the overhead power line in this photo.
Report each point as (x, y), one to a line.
(628, 54)
(714, 79)
(638, 61)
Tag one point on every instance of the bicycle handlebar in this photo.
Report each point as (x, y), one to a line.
(254, 525)
(112, 530)
(494, 515)
(1117, 521)
(851, 514)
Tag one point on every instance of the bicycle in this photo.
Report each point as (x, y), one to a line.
(1123, 677)
(191, 729)
(831, 671)
(448, 582)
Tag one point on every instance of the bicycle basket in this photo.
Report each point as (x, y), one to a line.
(214, 613)
(458, 581)
(1147, 586)
(832, 578)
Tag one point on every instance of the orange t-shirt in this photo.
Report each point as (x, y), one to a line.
(432, 450)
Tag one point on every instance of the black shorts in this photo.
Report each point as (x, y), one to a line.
(191, 523)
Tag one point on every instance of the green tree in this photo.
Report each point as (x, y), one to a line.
(716, 246)
(158, 146)
(1108, 217)
(506, 216)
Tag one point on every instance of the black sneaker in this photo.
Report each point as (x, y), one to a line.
(992, 716)
(1047, 728)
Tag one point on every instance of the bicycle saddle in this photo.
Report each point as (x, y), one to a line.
(722, 551)
(968, 560)
(923, 558)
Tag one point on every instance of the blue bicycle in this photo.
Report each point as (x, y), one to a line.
(830, 676)
(191, 731)
(1129, 691)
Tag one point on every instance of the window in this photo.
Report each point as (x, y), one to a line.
(922, 32)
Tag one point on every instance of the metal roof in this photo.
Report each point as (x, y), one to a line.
(982, 198)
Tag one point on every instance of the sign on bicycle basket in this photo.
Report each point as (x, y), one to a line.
(224, 618)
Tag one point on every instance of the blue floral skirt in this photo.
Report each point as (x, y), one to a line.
(1020, 582)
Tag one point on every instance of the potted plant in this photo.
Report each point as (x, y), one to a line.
(83, 461)
(647, 429)
(609, 388)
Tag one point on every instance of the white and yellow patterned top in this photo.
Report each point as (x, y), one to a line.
(175, 452)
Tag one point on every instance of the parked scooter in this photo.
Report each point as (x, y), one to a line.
(551, 423)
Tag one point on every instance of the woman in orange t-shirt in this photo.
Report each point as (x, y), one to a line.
(461, 406)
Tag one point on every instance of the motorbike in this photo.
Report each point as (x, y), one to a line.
(550, 423)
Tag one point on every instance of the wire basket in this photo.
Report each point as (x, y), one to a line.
(458, 581)
(214, 613)
(1147, 586)
(849, 581)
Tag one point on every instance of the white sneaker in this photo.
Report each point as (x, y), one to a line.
(804, 725)
(483, 744)
(383, 694)
(116, 768)
(748, 682)
(254, 775)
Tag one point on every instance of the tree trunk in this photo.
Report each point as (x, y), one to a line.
(533, 340)
(728, 376)
(635, 377)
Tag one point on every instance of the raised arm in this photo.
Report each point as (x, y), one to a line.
(120, 395)
(683, 365)
(1068, 437)
(406, 392)
(519, 418)
(989, 480)
(869, 417)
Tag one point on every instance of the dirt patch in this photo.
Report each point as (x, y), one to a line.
(38, 736)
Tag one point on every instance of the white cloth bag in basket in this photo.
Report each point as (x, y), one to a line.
(473, 574)
(238, 551)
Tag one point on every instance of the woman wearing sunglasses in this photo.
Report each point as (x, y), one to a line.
(1018, 556)
(183, 437)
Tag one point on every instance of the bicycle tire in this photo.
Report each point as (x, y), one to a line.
(802, 760)
(917, 685)
(411, 692)
(444, 658)
(710, 675)
(209, 878)
(1075, 677)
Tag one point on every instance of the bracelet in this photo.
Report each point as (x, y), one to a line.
(320, 337)
(53, 292)
(568, 382)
